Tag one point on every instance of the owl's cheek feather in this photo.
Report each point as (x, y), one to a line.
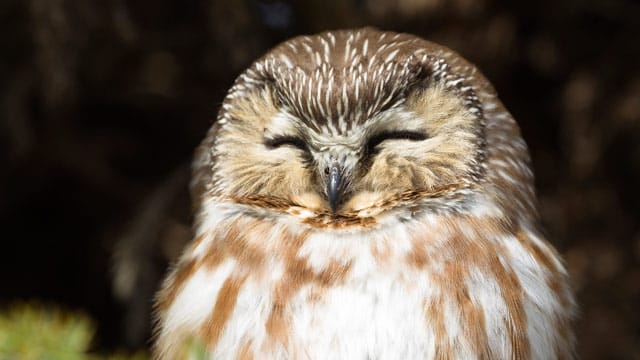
(365, 201)
(309, 200)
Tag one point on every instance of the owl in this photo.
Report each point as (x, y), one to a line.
(365, 195)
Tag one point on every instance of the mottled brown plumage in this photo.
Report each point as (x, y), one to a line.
(364, 194)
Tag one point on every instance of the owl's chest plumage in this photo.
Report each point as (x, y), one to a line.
(379, 315)
(403, 289)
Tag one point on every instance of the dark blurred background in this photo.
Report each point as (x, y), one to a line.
(103, 102)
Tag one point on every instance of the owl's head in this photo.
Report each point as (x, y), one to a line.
(355, 123)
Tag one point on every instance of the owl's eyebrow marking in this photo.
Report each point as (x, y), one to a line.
(282, 140)
(378, 138)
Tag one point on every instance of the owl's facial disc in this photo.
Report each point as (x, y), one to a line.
(427, 142)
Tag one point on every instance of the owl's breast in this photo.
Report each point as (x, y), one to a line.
(336, 316)
(400, 291)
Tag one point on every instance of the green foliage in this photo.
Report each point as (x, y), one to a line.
(34, 332)
(194, 349)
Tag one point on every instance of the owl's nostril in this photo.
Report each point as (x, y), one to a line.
(326, 170)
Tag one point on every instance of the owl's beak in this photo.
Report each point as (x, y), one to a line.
(333, 186)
